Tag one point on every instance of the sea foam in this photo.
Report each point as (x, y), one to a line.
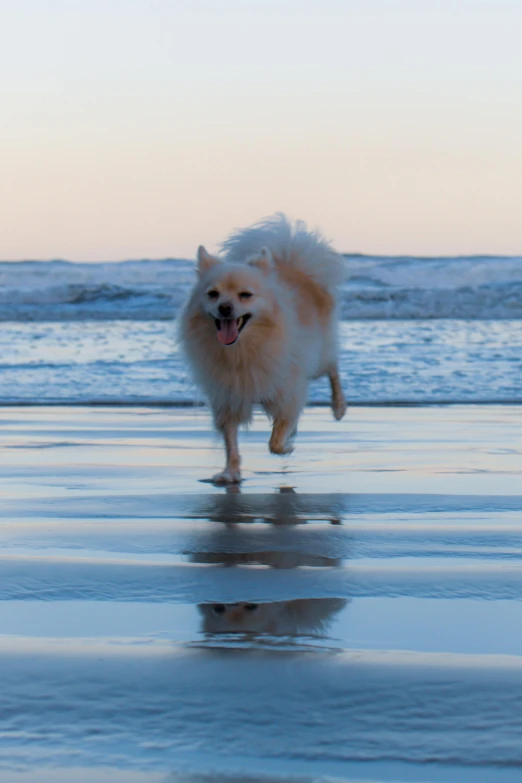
(376, 287)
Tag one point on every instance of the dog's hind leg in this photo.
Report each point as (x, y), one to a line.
(231, 474)
(338, 398)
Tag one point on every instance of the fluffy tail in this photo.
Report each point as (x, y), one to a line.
(291, 244)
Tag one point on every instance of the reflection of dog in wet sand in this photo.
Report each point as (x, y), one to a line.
(281, 508)
(276, 559)
(259, 324)
(279, 618)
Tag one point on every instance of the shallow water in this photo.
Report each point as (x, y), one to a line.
(381, 361)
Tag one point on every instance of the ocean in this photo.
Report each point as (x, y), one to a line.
(413, 330)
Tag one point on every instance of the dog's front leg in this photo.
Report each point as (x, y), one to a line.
(281, 438)
(285, 417)
(231, 474)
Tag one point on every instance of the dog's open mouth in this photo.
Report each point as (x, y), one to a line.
(228, 329)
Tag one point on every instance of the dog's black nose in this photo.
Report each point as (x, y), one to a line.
(225, 310)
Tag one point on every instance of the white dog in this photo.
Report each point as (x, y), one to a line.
(259, 324)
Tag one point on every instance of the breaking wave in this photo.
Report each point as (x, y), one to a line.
(377, 287)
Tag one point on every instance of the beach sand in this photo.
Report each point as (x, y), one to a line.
(381, 565)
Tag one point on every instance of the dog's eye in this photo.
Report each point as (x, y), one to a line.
(213, 294)
(251, 607)
(245, 295)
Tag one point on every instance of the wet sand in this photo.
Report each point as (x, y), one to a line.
(352, 611)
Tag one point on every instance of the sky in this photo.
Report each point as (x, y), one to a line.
(142, 128)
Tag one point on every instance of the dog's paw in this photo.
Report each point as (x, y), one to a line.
(339, 408)
(281, 448)
(227, 476)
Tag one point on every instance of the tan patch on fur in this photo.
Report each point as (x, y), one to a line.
(312, 301)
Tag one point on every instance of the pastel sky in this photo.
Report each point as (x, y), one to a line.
(141, 128)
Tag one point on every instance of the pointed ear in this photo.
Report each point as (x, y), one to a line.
(263, 261)
(205, 260)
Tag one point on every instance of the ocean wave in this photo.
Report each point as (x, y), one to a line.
(495, 300)
(376, 287)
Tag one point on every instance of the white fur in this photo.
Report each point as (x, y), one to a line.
(294, 244)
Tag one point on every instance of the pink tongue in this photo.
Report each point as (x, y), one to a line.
(227, 332)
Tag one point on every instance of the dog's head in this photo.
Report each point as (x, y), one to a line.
(242, 617)
(234, 296)
(278, 618)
